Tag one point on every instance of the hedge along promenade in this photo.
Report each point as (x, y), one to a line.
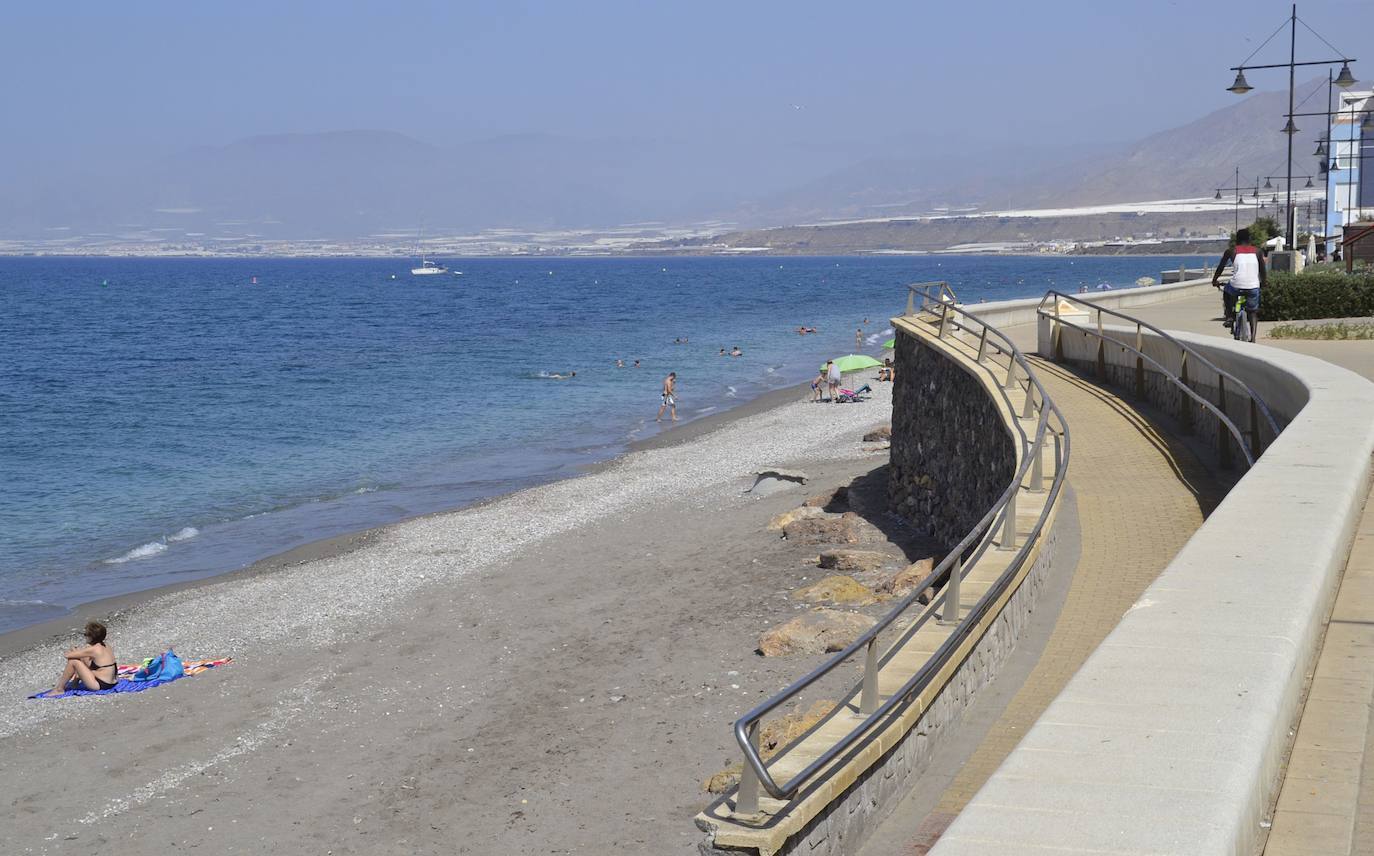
(1304, 296)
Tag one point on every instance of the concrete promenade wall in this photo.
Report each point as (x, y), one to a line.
(1010, 313)
(1171, 736)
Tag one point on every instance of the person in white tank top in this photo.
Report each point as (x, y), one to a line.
(1247, 279)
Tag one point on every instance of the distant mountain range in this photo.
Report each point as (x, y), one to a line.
(382, 185)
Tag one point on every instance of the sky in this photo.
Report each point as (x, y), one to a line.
(93, 82)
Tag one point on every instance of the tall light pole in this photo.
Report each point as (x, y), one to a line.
(1242, 86)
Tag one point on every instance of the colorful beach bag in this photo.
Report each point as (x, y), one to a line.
(166, 666)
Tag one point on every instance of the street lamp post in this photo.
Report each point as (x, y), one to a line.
(1241, 86)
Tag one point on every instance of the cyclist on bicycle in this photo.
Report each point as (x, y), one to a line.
(1246, 281)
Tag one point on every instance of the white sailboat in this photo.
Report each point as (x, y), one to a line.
(427, 267)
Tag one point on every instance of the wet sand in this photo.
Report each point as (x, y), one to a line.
(553, 671)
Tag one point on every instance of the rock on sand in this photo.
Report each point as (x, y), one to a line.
(838, 589)
(773, 736)
(824, 530)
(819, 631)
(780, 522)
(851, 561)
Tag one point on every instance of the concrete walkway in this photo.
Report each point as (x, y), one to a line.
(1140, 495)
(1326, 801)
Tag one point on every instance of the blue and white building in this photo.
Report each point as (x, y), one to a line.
(1352, 141)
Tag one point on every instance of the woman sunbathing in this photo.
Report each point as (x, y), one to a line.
(91, 667)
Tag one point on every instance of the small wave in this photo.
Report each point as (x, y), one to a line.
(143, 551)
(5, 601)
(730, 392)
(770, 370)
(704, 410)
(183, 534)
(369, 489)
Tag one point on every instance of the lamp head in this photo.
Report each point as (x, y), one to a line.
(1267, 185)
(1321, 149)
(1218, 196)
(1290, 128)
(1345, 79)
(1309, 182)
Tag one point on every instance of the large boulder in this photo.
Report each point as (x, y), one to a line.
(819, 631)
(907, 579)
(852, 561)
(842, 590)
(779, 522)
(844, 529)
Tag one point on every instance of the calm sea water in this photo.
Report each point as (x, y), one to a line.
(163, 420)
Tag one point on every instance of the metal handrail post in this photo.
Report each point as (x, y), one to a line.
(1037, 473)
(747, 797)
(944, 319)
(982, 344)
(1185, 416)
(1223, 436)
(1009, 523)
(950, 614)
(1028, 409)
(1011, 372)
(910, 302)
(868, 700)
(1057, 335)
(1139, 363)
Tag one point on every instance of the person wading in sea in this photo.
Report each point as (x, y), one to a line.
(669, 397)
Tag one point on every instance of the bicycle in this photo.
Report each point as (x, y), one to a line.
(1245, 319)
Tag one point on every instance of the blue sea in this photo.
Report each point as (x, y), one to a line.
(164, 420)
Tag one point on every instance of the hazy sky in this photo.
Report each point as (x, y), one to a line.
(174, 73)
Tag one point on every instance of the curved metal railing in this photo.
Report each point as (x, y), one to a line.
(936, 307)
(1258, 409)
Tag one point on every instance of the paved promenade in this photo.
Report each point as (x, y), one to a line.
(1128, 537)
(1326, 802)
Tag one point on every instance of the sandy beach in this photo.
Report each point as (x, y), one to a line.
(553, 671)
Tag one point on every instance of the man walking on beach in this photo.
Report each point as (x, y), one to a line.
(669, 397)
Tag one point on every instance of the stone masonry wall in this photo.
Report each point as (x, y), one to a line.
(952, 457)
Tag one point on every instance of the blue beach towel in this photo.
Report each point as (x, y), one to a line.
(123, 685)
(136, 679)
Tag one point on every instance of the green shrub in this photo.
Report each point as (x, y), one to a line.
(1289, 297)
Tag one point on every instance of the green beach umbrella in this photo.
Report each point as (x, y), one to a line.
(890, 343)
(854, 363)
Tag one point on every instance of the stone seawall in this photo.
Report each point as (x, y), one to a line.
(952, 454)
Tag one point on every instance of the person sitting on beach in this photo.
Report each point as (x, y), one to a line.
(91, 666)
(736, 352)
(885, 373)
(818, 386)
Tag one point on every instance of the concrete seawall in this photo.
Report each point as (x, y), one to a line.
(1171, 736)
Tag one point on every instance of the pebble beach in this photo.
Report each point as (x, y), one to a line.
(443, 659)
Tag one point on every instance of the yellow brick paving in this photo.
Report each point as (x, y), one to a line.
(1140, 494)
